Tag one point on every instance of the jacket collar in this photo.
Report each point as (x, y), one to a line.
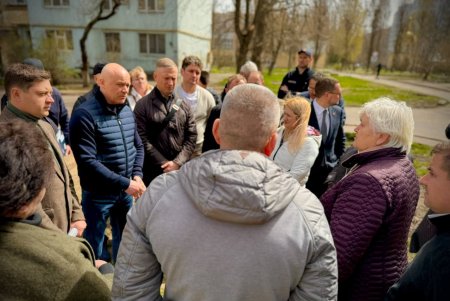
(21, 114)
(160, 96)
(34, 219)
(381, 153)
(441, 221)
(113, 109)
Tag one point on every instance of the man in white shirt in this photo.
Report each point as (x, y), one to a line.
(199, 99)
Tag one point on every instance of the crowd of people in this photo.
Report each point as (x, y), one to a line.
(245, 195)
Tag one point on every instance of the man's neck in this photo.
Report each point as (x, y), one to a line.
(322, 102)
(301, 70)
(21, 113)
(188, 88)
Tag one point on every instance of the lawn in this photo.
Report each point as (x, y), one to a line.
(357, 91)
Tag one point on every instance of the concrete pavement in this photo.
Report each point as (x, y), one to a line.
(429, 126)
(430, 123)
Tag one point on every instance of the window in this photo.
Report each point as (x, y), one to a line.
(62, 38)
(147, 6)
(112, 41)
(152, 43)
(56, 3)
(226, 41)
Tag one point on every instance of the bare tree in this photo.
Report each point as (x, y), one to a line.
(351, 23)
(98, 17)
(433, 28)
(286, 31)
(243, 32)
(379, 12)
(319, 25)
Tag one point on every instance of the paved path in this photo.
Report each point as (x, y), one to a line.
(429, 128)
(430, 123)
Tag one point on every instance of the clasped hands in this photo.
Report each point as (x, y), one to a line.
(136, 188)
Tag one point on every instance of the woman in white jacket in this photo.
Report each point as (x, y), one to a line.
(297, 143)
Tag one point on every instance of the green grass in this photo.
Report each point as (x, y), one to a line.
(357, 91)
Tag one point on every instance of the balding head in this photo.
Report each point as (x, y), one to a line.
(114, 83)
(249, 119)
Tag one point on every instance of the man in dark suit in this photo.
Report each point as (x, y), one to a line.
(329, 119)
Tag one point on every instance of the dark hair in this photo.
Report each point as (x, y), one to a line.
(204, 77)
(191, 60)
(23, 76)
(26, 165)
(325, 84)
(443, 148)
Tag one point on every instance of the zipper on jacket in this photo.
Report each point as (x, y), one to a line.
(119, 121)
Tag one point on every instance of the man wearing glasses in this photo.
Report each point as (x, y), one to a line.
(327, 117)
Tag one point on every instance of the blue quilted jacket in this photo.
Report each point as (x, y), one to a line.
(107, 148)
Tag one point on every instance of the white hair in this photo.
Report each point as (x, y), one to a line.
(247, 68)
(393, 118)
(250, 115)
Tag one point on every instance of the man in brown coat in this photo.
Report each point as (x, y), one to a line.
(29, 91)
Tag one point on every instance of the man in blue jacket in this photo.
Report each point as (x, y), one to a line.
(109, 155)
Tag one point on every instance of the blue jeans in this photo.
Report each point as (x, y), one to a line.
(96, 211)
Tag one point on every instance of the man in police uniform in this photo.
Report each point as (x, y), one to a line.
(297, 80)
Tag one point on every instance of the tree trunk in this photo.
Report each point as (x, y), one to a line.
(87, 29)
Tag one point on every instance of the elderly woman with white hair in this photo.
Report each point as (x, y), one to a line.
(371, 208)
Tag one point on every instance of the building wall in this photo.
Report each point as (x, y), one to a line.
(185, 24)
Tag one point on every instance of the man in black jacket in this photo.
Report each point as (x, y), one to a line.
(298, 79)
(428, 276)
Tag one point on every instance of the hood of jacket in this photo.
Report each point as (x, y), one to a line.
(237, 186)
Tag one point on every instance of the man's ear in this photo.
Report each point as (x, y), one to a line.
(270, 144)
(15, 93)
(215, 130)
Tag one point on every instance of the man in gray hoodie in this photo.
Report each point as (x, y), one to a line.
(230, 224)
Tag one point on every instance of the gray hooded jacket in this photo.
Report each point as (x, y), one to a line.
(229, 225)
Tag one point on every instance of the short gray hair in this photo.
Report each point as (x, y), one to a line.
(393, 118)
(250, 115)
(247, 68)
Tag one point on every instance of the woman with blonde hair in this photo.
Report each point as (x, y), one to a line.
(297, 143)
(139, 86)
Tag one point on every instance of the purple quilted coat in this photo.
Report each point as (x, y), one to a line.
(369, 212)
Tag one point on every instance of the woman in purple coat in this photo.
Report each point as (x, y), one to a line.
(371, 208)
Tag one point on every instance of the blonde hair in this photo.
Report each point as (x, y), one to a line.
(302, 110)
(135, 72)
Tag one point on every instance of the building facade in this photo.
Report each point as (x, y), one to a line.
(141, 31)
